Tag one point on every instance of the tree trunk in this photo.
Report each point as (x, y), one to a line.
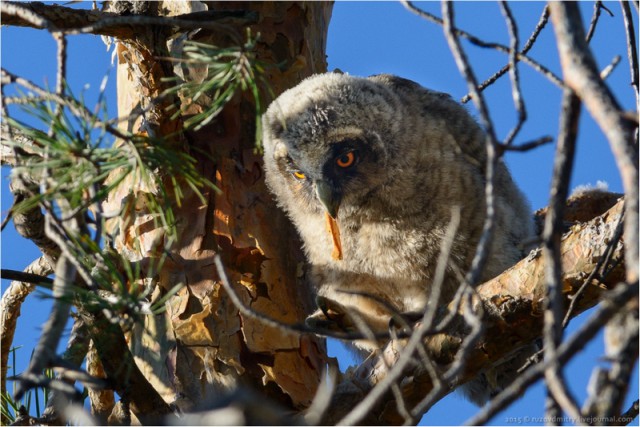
(202, 345)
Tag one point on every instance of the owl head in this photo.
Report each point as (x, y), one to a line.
(328, 143)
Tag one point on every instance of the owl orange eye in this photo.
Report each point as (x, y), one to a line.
(299, 175)
(346, 159)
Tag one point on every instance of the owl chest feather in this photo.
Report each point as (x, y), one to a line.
(383, 258)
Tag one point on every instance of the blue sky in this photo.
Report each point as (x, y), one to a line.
(370, 38)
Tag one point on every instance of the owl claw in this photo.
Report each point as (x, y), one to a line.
(329, 315)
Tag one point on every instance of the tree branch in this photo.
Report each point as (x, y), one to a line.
(501, 48)
(78, 21)
(12, 300)
(121, 369)
(514, 300)
(632, 49)
(581, 75)
(607, 309)
(559, 397)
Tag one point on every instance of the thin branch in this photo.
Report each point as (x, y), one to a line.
(582, 76)
(25, 13)
(609, 68)
(52, 329)
(396, 369)
(74, 106)
(514, 76)
(562, 169)
(542, 22)
(121, 369)
(74, 21)
(478, 42)
(632, 49)
(271, 322)
(24, 277)
(30, 224)
(464, 67)
(73, 356)
(474, 320)
(631, 413)
(597, 8)
(61, 75)
(544, 140)
(322, 399)
(12, 300)
(61, 231)
(608, 308)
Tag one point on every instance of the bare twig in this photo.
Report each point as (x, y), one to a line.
(30, 224)
(65, 275)
(74, 106)
(20, 11)
(284, 327)
(121, 369)
(396, 369)
(73, 21)
(542, 22)
(61, 231)
(441, 266)
(597, 8)
(608, 308)
(491, 143)
(582, 76)
(474, 320)
(631, 413)
(609, 68)
(621, 349)
(528, 145)
(74, 354)
(322, 399)
(632, 49)
(562, 168)
(61, 75)
(478, 42)
(518, 101)
(24, 277)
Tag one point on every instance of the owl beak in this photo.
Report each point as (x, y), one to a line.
(327, 197)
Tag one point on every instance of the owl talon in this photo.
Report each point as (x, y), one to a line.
(329, 320)
(330, 315)
(404, 322)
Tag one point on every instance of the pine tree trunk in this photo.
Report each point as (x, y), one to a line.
(202, 345)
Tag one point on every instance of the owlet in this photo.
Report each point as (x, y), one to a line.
(370, 170)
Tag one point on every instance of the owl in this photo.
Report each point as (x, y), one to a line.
(370, 171)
